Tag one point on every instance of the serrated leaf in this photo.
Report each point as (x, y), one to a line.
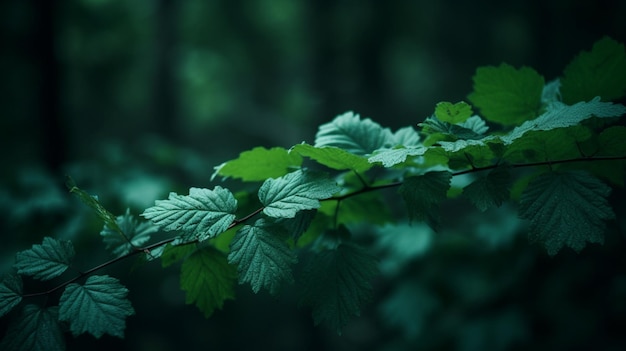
(336, 283)
(490, 190)
(174, 253)
(392, 157)
(553, 144)
(600, 72)
(10, 292)
(202, 214)
(259, 164)
(423, 194)
(453, 113)
(135, 234)
(406, 137)
(297, 225)
(566, 209)
(296, 191)
(98, 307)
(263, 259)
(559, 115)
(92, 201)
(353, 134)
(35, 329)
(451, 132)
(45, 261)
(333, 157)
(507, 95)
(208, 279)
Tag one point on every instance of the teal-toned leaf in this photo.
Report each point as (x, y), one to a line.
(566, 209)
(507, 95)
(453, 113)
(296, 191)
(10, 292)
(600, 72)
(551, 92)
(98, 307)
(407, 137)
(559, 115)
(490, 190)
(202, 214)
(353, 134)
(423, 194)
(475, 124)
(45, 261)
(297, 225)
(333, 157)
(553, 144)
(336, 283)
(35, 329)
(393, 157)
(259, 164)
(208, 279)
(409, 308)
(135, 234)
(432, 125)
(174, 253)
(263, 259)
(92, 201)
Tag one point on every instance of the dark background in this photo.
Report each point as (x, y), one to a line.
(134, 99)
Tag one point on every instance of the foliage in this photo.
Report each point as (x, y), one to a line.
(314, 197)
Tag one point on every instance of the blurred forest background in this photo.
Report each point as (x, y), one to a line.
(135, 99)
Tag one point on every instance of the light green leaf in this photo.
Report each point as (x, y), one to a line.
(35, 329)
(365, 208)
(174, 253)
(135, 234)
(98, 307)
(507, 95)
(453, 113)
(423, 194)
(559, 115)
(202, 214)
(353, 134)
(566, 209)
(333, 157)
(263, 259)
(296, 191)
(392, 157)
(208, 279)
(92, 201)
(336, 283)
(10, 292)
(407, 137)
(490, 190)
(45, 261)
(259, 164)
(601, 72)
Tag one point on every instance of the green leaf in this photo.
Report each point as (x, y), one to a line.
(601, 72)
(392, 157)
(566, 209)
(453, 113)
(259, 164)
(333, 157)
(92, 201)
(263, 259)
(490, 190)
(365, 208)
(559, 115)
(433, 126)
(174, 253)
(507, 95)
(35, 329)
(98, 307)
(135, 234)
(296, 191)
(10, 293)
(208, 279)
(613, 141)
(553, 144)
(202, 214)
(406, 136)
(423, 194)
(45, 261)
(299, 224)
(336, 283)
(353, 134)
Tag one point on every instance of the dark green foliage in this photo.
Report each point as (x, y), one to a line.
(309, 214)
